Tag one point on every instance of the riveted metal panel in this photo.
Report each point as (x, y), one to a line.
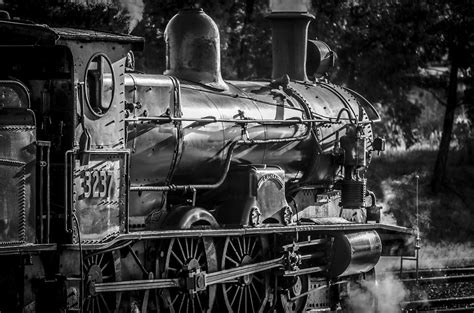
(99, 195)
(17, 177)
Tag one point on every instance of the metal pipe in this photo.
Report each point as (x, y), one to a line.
(169, 119)
(48, 192)
(40, 194)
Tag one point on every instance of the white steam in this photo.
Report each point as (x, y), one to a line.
(445, 254)
(386, 217)
(385, 294)
(133, 9)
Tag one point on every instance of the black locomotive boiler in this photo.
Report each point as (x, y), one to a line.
(184, 192)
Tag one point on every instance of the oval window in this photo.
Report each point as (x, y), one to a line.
(99, 84)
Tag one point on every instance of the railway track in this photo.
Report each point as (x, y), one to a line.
(438, 290)
(455, 304)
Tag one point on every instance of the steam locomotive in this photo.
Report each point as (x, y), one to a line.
(129, 192)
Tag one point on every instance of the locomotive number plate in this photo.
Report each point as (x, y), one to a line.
(97, 183)
(99, 194)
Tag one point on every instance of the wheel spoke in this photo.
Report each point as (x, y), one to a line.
(177, 258)
(174, 299)
(181, 249)
(233, 247)
(240, 299)
(105, 266)
(253, 246)
(245, 298)
(252, 306)
(232, 260)
(235, 295)
(228, 288)
(196, 250)
(88, 304)
(240, 248)
(101, 258)
(186, 247)
(182, 302)
(188, 302)
(199, 257)
(101, 297)
(201, 308)
(181, 252)
(256, 293)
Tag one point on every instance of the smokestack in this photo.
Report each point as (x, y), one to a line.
(289, 20)
(193, 48)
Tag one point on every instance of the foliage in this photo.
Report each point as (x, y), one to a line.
(447, 216)
(382, 45)
(245, 41)
(53, 13)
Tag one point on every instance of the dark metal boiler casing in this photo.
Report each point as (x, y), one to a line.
(191, 152)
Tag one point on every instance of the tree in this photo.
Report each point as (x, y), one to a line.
(452, 36)
(377, 44)
(68, 14)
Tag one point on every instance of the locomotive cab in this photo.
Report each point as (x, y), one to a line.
(74, 81)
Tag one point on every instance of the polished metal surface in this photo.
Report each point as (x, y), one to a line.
(355, 252)
(193, 48)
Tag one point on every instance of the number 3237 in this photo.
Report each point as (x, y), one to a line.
(97, 184)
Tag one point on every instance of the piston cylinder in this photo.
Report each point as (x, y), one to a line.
(355, 253)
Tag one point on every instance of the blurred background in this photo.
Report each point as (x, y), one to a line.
(412, 59)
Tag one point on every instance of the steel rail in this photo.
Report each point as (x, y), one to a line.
(439, 279)
(432, 271)
(430, 303)
(469, 309)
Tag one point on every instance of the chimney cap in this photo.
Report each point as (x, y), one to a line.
(284, 15)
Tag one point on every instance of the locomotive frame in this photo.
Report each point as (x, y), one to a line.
(180, 192)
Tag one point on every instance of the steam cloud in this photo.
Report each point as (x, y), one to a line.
(133, 9)
(387, 293)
